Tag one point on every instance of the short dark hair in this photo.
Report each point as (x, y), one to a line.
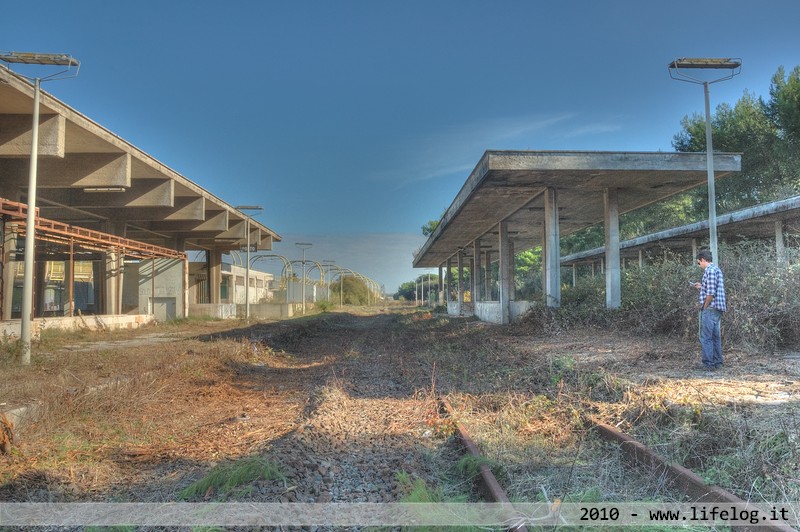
(705, 255)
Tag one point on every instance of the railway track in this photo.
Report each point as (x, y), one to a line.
(700, 493)
(349, 409)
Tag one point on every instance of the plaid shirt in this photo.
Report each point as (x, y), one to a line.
(713, 284)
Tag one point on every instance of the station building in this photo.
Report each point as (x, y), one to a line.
(114, 226)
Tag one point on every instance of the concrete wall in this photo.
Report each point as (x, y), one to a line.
(10, 328)
(273, 310)
(453, 308)
(258, 311)
(221, 311)
(168, 301)
(489, 311)
(519, 308)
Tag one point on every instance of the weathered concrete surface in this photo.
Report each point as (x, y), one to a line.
(510, 185)
(89, 176)
(10, 328)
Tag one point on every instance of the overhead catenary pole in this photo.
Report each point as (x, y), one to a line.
(247, 259)
(303, 246)
(31, 58)
(677, 70)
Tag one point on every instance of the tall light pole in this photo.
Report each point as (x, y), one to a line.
(247, 262)
(677, 70)
(31, 58)
(304, 246)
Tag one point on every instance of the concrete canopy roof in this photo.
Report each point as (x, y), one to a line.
(509, 186)
(90, 177)
(752, 223)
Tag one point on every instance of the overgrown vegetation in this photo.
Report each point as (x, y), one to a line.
(527, 408)
(723, 446)
(763, 292)
(523, 390)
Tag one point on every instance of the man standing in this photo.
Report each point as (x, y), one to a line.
(712, 305)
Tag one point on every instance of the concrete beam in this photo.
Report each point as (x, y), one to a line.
(739, 222)
(188, 209)
(75, 170)
(149, 193)
(265, 244)
(215, 224)
(236, 229)
(154, 193)
(16, 137)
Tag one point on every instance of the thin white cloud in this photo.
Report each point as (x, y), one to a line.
(591, 129)
(456, 149)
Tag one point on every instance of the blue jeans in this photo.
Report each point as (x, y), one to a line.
(710, 337)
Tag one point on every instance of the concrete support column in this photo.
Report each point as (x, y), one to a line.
(641, 259)
(460, 281)
(113, 273)
(69, 280)
(112, 293)
(543, 267)
(476, 271)
(505, 281)
(694, 249)
(780, 248)
(215, 276)
(487, 276)
(441, 287)
(9, 268)
(613, 277)
(184, 311)
(552, 249)
(574, 275)
(448, 281)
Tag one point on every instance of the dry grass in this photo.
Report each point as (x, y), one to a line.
(523, 393)
(165, 411)
(106, 418)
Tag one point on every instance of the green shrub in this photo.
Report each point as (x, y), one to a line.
(763, 296)
(324, 305)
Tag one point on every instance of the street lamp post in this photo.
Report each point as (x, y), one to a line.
(677, 70)
(247, 261)
(29, 58)
(304, 246)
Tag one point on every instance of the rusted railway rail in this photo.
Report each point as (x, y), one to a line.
(637, 454)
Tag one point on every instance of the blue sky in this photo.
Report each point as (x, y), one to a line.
(355, 122)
